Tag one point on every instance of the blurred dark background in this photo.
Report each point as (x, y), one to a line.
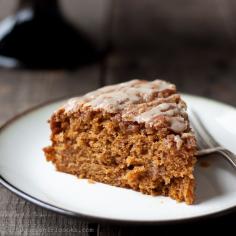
(189, 42)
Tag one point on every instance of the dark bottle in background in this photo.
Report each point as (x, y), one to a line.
(37, 36)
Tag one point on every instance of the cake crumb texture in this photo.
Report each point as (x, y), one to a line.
(134, 135)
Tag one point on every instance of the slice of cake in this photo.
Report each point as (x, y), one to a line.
(134, 135)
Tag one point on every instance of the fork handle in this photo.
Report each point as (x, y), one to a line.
(203, 152)
(228, 155)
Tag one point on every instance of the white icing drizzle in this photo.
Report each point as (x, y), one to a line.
(178, 141)
(132, 87)
(170, 110)
(178, 124)
(167, 109)
(72, 103)
(124, 97)
(114, 98)
(187, 135)
(113, 101)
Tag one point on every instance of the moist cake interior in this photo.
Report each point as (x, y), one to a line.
(125, 147)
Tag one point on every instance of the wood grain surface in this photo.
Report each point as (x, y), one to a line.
(188, 42)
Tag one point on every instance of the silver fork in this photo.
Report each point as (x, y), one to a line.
(206, 143)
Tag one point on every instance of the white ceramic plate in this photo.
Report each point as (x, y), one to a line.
(25, 171)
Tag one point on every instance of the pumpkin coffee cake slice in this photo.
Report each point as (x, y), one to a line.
(133, 135)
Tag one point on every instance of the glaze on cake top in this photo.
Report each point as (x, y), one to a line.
(137, 100)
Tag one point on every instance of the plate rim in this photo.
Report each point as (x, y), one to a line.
(92, 218)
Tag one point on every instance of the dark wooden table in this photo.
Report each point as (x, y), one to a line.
(192, 46)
